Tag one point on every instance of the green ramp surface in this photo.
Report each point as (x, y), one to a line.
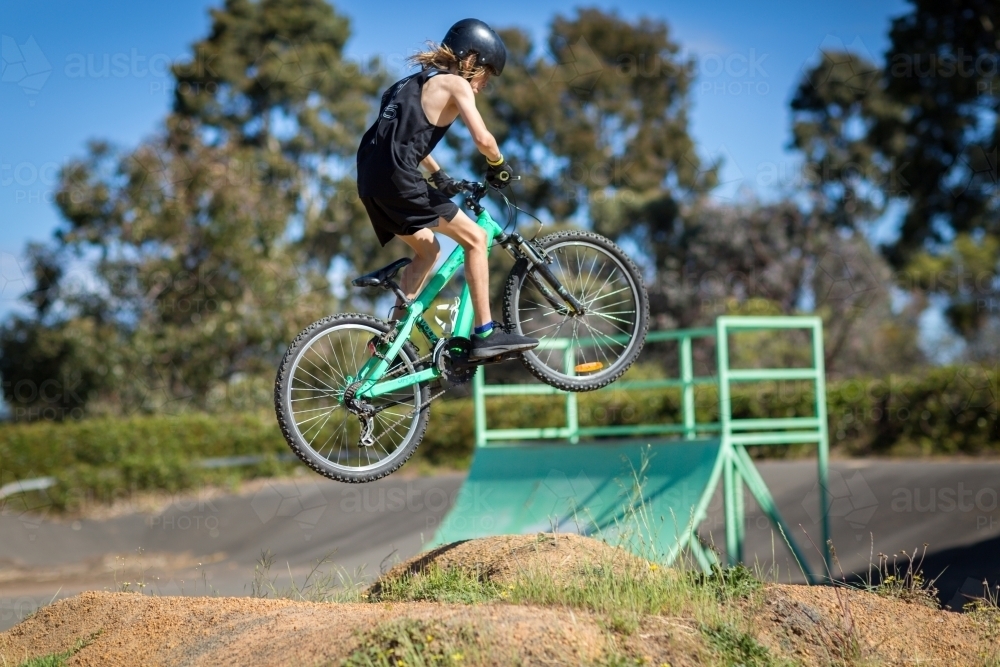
(647, 495)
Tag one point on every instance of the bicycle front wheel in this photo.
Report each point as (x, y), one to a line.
(309, 399)
(579, 352)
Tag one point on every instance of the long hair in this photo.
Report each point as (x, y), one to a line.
(439, 56)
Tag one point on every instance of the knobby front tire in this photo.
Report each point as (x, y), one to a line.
(308, 394)
(605, 341)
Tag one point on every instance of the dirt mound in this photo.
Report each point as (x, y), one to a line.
(770, 625)
(817, 624)
(133, 629)
(502, 558)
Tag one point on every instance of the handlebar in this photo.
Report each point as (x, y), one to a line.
(473, 187)
(474, 192)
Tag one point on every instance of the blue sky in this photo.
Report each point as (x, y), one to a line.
(750, 56)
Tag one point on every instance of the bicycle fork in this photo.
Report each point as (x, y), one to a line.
(539, 262)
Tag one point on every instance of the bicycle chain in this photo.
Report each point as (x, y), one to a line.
(399, 371)
(412, 413)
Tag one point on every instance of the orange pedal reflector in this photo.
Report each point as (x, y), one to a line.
(589, 368)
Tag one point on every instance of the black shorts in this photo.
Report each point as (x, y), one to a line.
(403, 216)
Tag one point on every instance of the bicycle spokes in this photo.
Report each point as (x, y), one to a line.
(600, 338)
(341, 428)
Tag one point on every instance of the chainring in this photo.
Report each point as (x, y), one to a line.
(451, 357)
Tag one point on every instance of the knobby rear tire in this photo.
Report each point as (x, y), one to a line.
(359, 326)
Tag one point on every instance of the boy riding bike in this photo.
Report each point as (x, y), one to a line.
(352, 393)
(414, 115)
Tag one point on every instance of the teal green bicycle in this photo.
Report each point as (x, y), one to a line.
(352, 394)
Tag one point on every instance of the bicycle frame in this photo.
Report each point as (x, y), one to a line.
(375, 368)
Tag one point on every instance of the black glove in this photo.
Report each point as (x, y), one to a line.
(501, 175)
(445, 183)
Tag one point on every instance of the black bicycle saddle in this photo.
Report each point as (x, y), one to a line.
(380, 277)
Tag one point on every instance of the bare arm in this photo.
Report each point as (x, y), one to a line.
(466, 101)
(430, 164)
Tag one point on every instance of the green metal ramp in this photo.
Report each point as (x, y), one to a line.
(644, 486)
(646, 494)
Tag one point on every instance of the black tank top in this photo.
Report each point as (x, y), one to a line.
(393, 147)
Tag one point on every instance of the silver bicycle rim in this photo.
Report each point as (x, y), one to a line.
(610, 327)
(320, 421)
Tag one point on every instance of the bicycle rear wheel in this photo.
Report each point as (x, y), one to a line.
(309, 394)
(579, 352)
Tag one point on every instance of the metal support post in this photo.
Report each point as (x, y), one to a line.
(687, 388)
(572, 412)
(729, 504)
(822, 450)
(479, 406)
(739, 515)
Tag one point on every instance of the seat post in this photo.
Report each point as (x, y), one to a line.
(391, 285)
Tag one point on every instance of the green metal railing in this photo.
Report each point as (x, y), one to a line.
(736, 468)
(572, 431)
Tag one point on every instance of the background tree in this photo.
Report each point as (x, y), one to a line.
(599, 127)
(921, 132)
(942, 69)
(211, 242)
(847, 184)
(271, 77)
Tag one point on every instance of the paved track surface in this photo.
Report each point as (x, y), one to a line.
(210, 545)
(882, 506)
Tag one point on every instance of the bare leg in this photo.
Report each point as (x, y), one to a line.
(472, 238)
(426, 252)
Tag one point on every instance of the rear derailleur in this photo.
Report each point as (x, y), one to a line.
(364, 411)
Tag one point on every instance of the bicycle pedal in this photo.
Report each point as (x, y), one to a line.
(499, 358)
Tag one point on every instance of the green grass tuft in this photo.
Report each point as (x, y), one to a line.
(736, 647)
(51, 660)
(620, 594)
(902, 579)
(730, 583)
(320, 585)
(59, 659)
(437, 584)
(411, 643)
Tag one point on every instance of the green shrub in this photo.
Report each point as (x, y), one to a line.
(945, 411)
(103, 459)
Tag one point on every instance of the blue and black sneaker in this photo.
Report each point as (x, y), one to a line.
(497, 341)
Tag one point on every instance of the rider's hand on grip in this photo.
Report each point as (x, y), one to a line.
(445, 183)
(500, 175)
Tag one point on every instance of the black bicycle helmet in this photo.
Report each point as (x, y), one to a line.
(473, 36)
